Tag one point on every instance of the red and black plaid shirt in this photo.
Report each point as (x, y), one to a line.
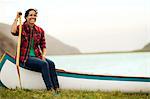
(39, 41)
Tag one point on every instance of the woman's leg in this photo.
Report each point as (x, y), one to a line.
(39, 65)
(53, 74)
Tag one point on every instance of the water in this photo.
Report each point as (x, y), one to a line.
(122, 64)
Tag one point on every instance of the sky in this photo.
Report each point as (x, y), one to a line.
(89, 25)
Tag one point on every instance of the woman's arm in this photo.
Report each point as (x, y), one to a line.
(43, 44)
(14, 25)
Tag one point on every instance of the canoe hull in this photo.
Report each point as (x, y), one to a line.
(33, 80)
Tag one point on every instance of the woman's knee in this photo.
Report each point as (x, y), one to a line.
(50, 62)
(44, 63)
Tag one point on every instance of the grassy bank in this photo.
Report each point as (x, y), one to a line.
(68, 94)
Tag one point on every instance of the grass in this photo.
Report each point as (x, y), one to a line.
(68, 94)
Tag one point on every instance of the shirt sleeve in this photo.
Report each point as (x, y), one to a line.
(43, 41)
(17, 32)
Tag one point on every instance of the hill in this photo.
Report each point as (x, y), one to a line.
(54, 46)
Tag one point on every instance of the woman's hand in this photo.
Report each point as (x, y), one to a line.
(18, 15)
(14, 25)
(43, 54)
(43, 57)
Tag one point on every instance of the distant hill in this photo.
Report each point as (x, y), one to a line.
(146, 47)
(8, 43)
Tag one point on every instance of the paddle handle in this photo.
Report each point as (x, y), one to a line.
(18, 49)
(19, 41)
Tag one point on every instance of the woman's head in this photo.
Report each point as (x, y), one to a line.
(30, 16)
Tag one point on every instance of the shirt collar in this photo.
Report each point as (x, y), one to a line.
(34, 27)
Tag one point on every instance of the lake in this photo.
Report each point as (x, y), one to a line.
(122, 64)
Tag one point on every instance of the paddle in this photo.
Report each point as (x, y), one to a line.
(18, 48)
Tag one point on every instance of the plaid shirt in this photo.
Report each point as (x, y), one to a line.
(39, 41)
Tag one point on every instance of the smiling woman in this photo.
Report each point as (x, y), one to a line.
(30, 16)
(33, 36)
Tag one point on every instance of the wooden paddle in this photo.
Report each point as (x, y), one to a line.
(18, 49)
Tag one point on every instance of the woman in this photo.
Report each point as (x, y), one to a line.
(32, 38)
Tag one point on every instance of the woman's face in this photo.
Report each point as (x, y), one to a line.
(31, 18)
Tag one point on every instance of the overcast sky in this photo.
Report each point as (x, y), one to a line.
(89, 25)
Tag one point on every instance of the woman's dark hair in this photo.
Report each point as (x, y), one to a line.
(27, 12)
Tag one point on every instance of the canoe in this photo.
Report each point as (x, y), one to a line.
(70, 80)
